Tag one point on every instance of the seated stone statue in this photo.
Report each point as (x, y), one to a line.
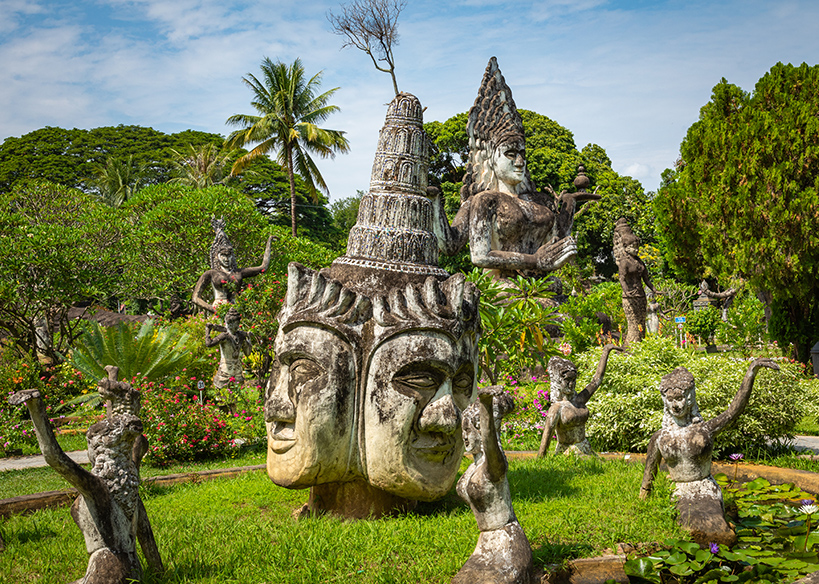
(224, 276)
(511, 227)
(567, 416)
(233, 343)
(503, 554)
(108, 511)
(685, 441)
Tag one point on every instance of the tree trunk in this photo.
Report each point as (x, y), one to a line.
(289, 155)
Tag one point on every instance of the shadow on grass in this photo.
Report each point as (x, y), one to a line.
(192, 570)
(558, 553)
(33, 534)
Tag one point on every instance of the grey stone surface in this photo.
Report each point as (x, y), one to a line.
(632, 273)
(685, 442)
(233, 343)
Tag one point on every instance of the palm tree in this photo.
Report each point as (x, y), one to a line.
(119, 180)
(199, 167)
(287, 125)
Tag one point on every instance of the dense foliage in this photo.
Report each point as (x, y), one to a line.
(744, 197)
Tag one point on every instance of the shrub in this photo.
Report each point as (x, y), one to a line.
(179, 427)
(582, 330)
(522, 428)
(627, 409)
(703, 323)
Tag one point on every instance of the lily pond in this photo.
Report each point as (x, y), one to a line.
(776, 541)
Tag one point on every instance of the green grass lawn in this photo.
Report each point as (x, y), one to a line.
(241, 529)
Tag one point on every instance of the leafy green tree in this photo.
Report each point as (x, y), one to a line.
(743, 199)
(58, 246)
(72, 157)
(290, 110)
(345, 212)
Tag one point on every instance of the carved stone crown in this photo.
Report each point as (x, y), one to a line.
(394, 227)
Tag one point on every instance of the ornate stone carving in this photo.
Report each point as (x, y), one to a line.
(503, 554)
(685, 441)
(233, 344)
(632, 273)
(511, 227)
(224, 276)
(377, 356)
(568, 414)
(108, 511)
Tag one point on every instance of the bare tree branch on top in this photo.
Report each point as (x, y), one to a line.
(371, 26)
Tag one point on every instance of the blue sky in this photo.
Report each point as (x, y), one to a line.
(627, 75)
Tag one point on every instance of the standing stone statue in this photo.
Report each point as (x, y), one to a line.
(652, 313)
(224, 276)
(108, 511)
(568, 414)
(725, 298)
(632, 272)
(685, 441)
(510, 226)
(377, 355)
(233, 344)
(503, 554)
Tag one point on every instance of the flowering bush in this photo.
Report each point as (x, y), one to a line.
(522, 428)
(180, 428)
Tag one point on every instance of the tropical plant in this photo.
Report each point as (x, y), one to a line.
(147, 353)
(512, 321)
(199, 167)
(119, 179)
(290, 110)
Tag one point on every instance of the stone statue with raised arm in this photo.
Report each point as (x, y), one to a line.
(685, 442)
(503, 554)
(510, 226)
(108, 511)
(568, 414)
(224, 276)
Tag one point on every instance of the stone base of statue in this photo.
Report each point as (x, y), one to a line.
(354, 500)
(502, 556)
(702, 512)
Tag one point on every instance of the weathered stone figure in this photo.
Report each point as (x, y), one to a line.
(108, 511)
(652, 313)
(503, 554)
(567, 416)
(224, 276)
(233, 344)
(509, 224)
(632, 274)
(377, 356)
(685, 442)
(725, 298)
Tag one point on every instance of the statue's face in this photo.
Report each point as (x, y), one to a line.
(509, 163)
(309, 410)
(562, 378)
(223, 258)
(677, 403)
(417, 385)
(472, 435)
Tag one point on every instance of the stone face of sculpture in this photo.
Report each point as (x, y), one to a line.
(310, 410)
(233, 344)
(632, 274)
(567, 416)
(109, 511)
(224, 276)
(686, 442)
(510, 225)
(503, 554)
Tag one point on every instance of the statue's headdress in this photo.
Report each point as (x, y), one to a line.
(493, 120)
(221, 243)
(622, 237)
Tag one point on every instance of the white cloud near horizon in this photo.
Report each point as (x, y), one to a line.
(628, 77)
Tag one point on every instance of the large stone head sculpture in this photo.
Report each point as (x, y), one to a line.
(419, 376)
(311, 403)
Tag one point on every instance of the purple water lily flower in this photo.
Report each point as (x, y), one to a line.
(714, 548)
(736, 457)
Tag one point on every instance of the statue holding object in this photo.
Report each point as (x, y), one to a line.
(510, 226)
(233, 343)
(224, 276)
(108, 511)
(567, 416)
(685, 441)
(503, 554)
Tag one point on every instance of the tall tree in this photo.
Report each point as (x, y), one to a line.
(199, 167)
(290, 110)
(746, 193)
(119, 179)
(371, 26)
